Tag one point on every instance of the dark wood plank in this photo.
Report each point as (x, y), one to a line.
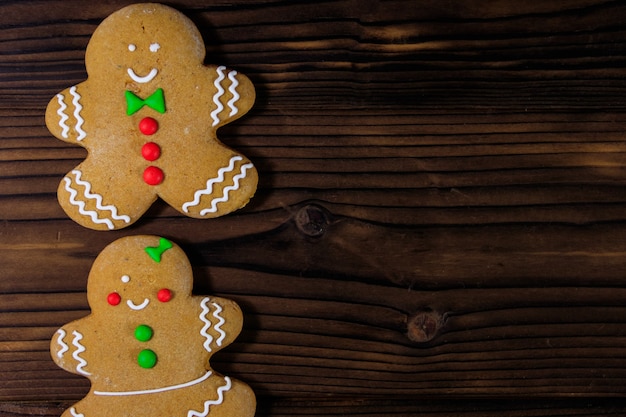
(377, 407)
(440, 215)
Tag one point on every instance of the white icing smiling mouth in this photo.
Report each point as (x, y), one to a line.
(138, 306)
(145, 79)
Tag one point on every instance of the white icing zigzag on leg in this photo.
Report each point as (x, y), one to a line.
(218, 326)
(209, 184)
(77, 109)
(89, 195)
(60, 342)
(81, 206)
(207, 325)
(76, 355)
(218, 94)
(98, 198)
(227, 190)
(233, 90)
(76, 413)
(61, 112)
(209, 403)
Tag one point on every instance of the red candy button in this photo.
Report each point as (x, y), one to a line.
(151, 151)
(153, 175)
(164, 295)
(148, 126)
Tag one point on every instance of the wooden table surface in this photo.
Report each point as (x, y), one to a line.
(440, 225)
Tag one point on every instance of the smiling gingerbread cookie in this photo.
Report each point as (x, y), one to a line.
(147, 115)
(146, 345)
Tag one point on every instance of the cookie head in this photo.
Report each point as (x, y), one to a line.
(139, 274)
(141, 42)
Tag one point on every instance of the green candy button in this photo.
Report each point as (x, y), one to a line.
(147, 359)
(143, 333)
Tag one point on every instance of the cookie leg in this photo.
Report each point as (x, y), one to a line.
(77, 410)
(100, 206)
(231, 398)
(240, 401)
(224, 191)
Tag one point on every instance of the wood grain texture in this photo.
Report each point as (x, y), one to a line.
(439, 227)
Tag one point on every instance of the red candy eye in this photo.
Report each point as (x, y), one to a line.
(164, 295)
(114, 299)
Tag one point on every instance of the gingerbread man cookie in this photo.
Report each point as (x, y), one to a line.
(146, 345)
(147, 115)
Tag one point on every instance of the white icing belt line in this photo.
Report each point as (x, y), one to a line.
(76, 355)
(89, 195)
(156, 390)
(209, 403)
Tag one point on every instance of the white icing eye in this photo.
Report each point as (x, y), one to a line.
(131, 47)
(125, 279)
(154, 47)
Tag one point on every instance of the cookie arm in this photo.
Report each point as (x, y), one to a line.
(64, 115)
(66, 349)
(233, 95)
(222, 322)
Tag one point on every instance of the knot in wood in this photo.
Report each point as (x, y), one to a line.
(312, 220)
(422, 327)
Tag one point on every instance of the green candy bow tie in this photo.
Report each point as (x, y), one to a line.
(156, 102)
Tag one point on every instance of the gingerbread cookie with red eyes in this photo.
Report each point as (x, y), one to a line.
(146, 345)
(148, 115)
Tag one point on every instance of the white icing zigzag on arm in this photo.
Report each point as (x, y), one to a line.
(76, 355)
(218, 94)
(209, 184)
(209, 403)
(97, 197)
(227, 190)
(61, 112)
(233, 90)
(77, 110)
(218, 326)
(60, 342)
(207, 324)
